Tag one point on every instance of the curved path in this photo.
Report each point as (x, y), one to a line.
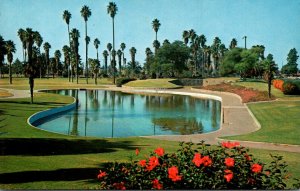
(237, 119)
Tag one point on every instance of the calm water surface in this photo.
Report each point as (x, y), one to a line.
(104, 113)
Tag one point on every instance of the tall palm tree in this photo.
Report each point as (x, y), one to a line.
(123, 46)
(87, 41)
(120, 53)
(215, 49)
(148, 53)
(94, 65)
(67, 16)
(105, 55)
(30, 70)
(112, 11)
(233, 43)
(75, 46)
(67, 51)
(96, 44)
(202, 41)
(21, 34)
(185, 36)
(47, 47)
(39, 41)
(10, 49)
(57, 56)
(132, 53)
(109, 48)
(155, 25)
(86, 13)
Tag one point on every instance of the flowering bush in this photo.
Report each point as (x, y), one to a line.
(278, 84)
(290, 89)
(229, 166)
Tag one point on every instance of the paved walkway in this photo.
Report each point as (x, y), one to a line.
(237, 119)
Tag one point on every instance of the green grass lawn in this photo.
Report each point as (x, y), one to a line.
(56, 83)
(279, 120)
(153, 83)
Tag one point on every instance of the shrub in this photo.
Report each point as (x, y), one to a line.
(278, 84)
(121, 81)
(229, 166)
(290, 88)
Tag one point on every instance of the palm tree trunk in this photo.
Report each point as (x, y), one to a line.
(76, 68)
(10, 77)
(31, 83)
(69, 54)
(114, 73)
(86, 55)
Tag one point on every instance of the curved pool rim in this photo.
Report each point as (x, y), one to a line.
(53, 111)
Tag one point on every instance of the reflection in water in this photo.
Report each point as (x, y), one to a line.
(116, 114)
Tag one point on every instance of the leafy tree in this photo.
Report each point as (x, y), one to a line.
(149, 59)
(245, 67)
(270, 68)
(47, 47)
(75, 46)
(170, 59)
(112, 11)
(10, 49)
(18, 67)
(86, 13)
(166, 41)
(291, 66)
(231, 58)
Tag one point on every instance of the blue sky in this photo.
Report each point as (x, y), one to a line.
(272, 23)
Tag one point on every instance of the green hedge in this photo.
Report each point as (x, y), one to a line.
(121, 81)
(291, 87)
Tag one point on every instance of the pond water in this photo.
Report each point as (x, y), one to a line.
(104, 113)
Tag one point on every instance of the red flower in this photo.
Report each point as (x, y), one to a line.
(197, 159)
(206, 161)
(159, 151)
(137, 152)
(101, 174)
(229, 162)
(228, 175)
(153, 162)
(142, 163)
(173, 174)
(256, 168)
(119, 186)
(230, 145)
(248, 158)
(157, 185)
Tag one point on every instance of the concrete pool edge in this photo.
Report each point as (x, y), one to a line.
(52, 111)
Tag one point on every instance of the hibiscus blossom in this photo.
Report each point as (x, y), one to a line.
(173, 174)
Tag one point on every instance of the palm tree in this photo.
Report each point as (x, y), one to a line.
(148, 53)
(215, 48)
(94, 65)
(67, 16)
(21, 34)
(86, 13)
(29, 37)
(52, 62)
(75, 36)
(202, 41)
(47, 47)
(67, 51)
(96, 44)
(109, 48)
(87, 41)
(57, 56)
(123, 46)
(233, 43)
(112, 11)
(270, 68)
(155, 25)
(39, 41)
(2, 52)
(156, 45)
(132, 53)
(120, 53)
(185, 36)
(10, 49)
(105, 55)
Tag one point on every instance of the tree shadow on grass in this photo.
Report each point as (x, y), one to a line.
(71, 174)
(52, 146)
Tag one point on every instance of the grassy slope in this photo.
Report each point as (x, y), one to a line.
(152, 83)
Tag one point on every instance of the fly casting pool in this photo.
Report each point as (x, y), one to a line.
(102, 113)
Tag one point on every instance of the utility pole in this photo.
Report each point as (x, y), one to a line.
(245, 37)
